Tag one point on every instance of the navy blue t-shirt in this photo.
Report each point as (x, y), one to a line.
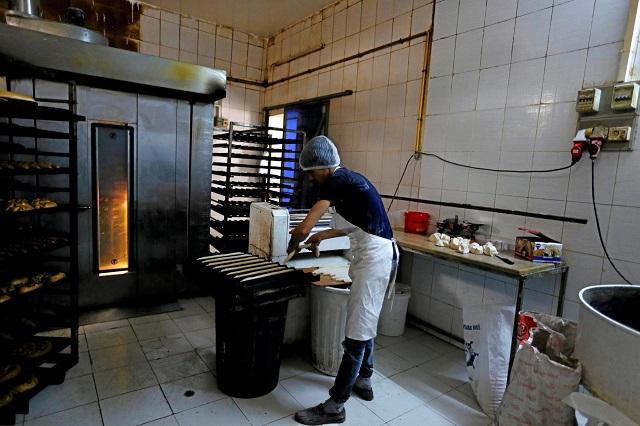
(358, 201)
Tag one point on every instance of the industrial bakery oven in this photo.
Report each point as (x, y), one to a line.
(144, 159)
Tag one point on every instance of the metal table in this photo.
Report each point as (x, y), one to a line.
(522, 270)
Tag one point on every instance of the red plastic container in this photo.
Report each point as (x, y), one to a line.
(416, 222)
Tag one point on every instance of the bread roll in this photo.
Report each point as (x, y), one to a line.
(13, 372)
(30, 383)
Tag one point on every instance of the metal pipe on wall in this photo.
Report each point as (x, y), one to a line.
(488, 209)
(423, 92)
(346, 59)
(424, 84)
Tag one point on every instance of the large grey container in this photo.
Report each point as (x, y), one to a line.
(328, 322)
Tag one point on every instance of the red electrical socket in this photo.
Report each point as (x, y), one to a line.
(594, 148)
(578, 147)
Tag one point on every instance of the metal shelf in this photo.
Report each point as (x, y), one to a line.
(12, 108)
(233, 191)
(29, 247)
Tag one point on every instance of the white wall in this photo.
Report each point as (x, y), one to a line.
(240, 54)
(504, 75)
(503, 81)
(374, 129)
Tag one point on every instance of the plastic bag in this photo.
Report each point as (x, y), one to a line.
(487, 339)
(597, 412)
(543, 374)
(561, 332)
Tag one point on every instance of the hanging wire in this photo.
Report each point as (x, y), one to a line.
(397, 187)
(595, 212)
(497, 170)
(573, 163)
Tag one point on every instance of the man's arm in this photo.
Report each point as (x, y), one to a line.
(301, 232)
(317, 238)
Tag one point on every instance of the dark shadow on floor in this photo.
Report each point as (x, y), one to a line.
(113, 314)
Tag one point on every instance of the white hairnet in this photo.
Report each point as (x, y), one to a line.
(319, 153)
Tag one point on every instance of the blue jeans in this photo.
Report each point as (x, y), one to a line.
(356, 360)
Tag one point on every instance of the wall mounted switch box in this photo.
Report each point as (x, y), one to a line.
(588, 101)
(625, 96)
(615, 121)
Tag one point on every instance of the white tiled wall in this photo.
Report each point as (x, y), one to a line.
(502, 83)
(240, 54)
(375, 128)
(534, 57)
(503, 80)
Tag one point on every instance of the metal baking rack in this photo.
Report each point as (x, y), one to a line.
(253, 164)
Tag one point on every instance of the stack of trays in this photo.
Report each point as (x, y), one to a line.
(245, 280)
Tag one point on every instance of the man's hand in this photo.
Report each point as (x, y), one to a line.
(318, 237)
(302, 231)
(297, 236)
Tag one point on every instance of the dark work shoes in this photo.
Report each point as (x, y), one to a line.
(366, 394)
(317, 416)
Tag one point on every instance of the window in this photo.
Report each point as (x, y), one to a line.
(310, 118)
(112, 186)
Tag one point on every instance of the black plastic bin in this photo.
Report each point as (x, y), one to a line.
(248, 344)
(251, 310)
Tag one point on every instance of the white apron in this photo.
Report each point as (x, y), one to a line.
(371, 274)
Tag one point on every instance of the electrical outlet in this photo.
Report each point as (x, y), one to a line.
(619, 134)
(220, 122)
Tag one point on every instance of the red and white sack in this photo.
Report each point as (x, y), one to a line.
(488, 330)
(562, 331)
(536, 390)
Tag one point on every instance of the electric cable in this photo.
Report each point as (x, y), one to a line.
(573, 163)
(595, 212)
(399, 181)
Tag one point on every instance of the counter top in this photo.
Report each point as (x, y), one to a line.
(522, 270)
(520, 267)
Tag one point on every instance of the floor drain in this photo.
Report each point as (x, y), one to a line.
(189, 393)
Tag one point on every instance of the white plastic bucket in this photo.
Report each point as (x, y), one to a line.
(393, 316)
(328, 322)
(297, 327)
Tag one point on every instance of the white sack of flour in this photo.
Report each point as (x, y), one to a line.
(487, 340)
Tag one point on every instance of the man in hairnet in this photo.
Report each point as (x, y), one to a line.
(359, 213)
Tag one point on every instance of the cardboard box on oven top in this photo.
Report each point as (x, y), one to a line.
(538, 248)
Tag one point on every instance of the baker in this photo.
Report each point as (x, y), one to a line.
(359, 214)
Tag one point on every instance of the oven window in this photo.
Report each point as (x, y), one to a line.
(112, 161)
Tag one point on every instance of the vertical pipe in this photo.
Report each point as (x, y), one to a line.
(422, 106)
(74, 273)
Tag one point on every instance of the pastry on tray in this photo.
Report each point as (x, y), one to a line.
(25, 322)
(43, 203)
(9, 371)
(6, 399)
(28, 384)
(16, 96)
(34, 349)
(31, 286)
(47, 277)
(13, 286)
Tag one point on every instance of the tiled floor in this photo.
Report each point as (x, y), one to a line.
(160, 370)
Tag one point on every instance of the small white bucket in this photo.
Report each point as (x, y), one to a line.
(393, 316)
